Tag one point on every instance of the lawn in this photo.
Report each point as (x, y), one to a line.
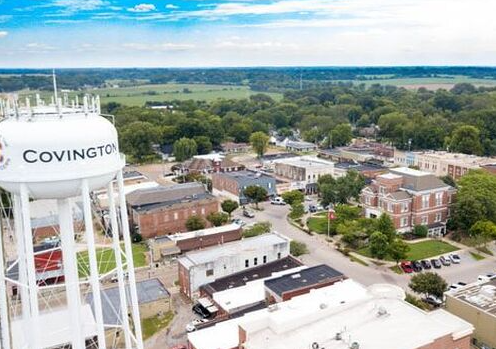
(318, 224)
(445, 82)
(138, 95)
(154, 324)
(106, 259)
(421, 250)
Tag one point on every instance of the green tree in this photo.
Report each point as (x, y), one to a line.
(398, 250)
(292, 196)
(256, 229)
(340, 190)
(297, 210)
(137, 139)
(466, 139)
(378, 245)
(229, 206)
(195, 223)
(241, 132)
(259, 141)
(448, 180)
(420, 231)
(483, 232)
(428, 284)
(341, 135)
(255, 194)
(204, 145)
(297, 248)
(385, 225)
(184, 149)
(218, 218)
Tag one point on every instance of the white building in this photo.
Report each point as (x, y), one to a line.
(305, 170)
(198, 268)
(342, 316)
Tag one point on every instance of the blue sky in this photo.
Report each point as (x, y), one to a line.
(185, 33)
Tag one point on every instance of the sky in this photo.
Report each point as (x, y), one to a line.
(215, 33)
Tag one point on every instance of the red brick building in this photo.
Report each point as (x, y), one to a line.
(165, 210)
(411, 198)
(200, 165)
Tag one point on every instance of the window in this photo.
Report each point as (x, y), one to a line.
(203, 211)
(176, 216)
(425, 201)
(382, 190)
(278, 255)
(255, 261)
(404, 221)
(265, 259)
(438, 217)
(210, 272)
(404, 207)
(247, 263)
(389, 207)
(269, 185)
(367, 200)
(449, 198)
(425, 220)
(439, 199)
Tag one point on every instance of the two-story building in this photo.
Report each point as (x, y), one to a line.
(411, 198)
(233, 184)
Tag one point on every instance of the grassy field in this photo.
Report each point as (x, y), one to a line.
(140, 94)
(429, 83)
(106, 259)
(154, 324)
(421, 250)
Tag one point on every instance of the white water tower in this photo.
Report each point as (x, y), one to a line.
(61, 151)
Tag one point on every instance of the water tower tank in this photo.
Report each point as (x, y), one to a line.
(52, 150)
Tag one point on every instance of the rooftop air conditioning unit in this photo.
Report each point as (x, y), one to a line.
(355, 345)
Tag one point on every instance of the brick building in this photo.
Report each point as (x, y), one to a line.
(164, 210)
(410, 197)
(205, 165)
(232, 184)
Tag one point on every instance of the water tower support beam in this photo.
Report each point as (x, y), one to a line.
(4, 303)
(94, 276)
(66, 224)
(33, 335)
(114, 230)
(130, 262)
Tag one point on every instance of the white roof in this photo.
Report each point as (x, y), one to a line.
(306, 161)
(411, 172)
(204, 232)
(389, 176)
(103, 197)
(213, 156)
(54, 328)
(231, 249)
(252, 292)
(44, 213)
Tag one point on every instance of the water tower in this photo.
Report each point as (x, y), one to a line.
(60, 151)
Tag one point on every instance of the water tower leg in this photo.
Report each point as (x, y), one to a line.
(130, 262)
(118, 262)
(71, 272)
(21, 262)
(34, 334)
(4, 302)
(94, 276)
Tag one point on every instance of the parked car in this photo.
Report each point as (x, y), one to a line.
(455, 259)
(201, 310)
(445, 261)
(192, 325)
(406, 266)
(486, 277)
(425, 264)
(436, 263)
(248, 214)
(416, 266)
(433, 300)
(456, 286)
(312, 208)
(277, 201)
(239, 222)
(115, 279)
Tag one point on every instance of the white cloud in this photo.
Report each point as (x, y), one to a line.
(242, 45)
(78, 5)
(143, 8)
(168, 46)
(3, 33)
(171, 6)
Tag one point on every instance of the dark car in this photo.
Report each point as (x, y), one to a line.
(312, 208)
(425, 264)
(416, 266)
(436, 263)
(445, 261)
(201, 310)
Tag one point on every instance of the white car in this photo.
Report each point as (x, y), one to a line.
(455, 259)
(486, 277)
(277, 201)
(191, 327)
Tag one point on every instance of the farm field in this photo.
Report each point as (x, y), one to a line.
(140, 94)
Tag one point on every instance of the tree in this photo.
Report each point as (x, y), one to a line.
(398, 250)
(466, 139)
(483, 231)
(297, 210)
(378, 245)
(137, 139)
(204, 145)
(257, 229)
(428, 283)
(255, 193)
(420, 231)
(340, 190)
(341, 135)
(229, 206)
(241, 132)
(385, 225)
(448, 180)
(184, 149)
(259, 141)
(297, 248)
(218, 218)
(292, 196)
(195, 223)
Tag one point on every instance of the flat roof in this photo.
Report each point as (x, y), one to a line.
(210, 254)
(410, 172)
(203, 232)
(306, 161)
(242, 278)
(481, 295)
(304, 278)
(245, 174)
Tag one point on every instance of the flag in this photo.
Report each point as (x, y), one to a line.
(331, 214)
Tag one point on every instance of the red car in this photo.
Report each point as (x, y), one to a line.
(406, 267)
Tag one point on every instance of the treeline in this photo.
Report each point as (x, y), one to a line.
(462, 119)
(259, 79)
